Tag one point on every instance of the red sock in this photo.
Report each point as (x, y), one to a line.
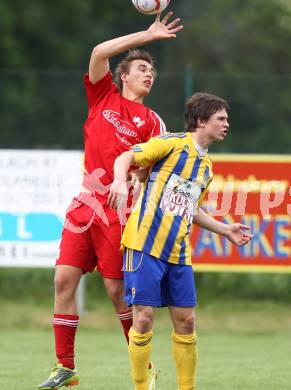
(126, 322)
(65, 326)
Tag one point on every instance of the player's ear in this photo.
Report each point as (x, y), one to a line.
(200, 122)
(123, 77)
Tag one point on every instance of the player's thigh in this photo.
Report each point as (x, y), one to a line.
(178, 287)
(143, 275)
(106, 242)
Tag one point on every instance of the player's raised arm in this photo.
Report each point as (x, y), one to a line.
(235, 232)
(160, 29)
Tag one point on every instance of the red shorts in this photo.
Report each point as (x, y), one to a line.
(91, 237)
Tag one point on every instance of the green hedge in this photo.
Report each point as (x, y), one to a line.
(36, 285)
(244, 286)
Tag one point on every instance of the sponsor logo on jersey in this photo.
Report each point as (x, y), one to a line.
(180, 198)
(121, 126)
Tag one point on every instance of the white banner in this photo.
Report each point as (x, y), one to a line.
(36, 187)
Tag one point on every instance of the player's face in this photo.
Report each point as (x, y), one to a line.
(140, 77)
(216, 128)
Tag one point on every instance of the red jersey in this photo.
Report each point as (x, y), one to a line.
(113, 125)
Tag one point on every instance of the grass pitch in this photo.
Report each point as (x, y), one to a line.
(241, 347)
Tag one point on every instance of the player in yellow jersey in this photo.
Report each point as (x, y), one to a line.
(157, 258)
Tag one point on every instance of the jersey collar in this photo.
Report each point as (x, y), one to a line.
(201, 152)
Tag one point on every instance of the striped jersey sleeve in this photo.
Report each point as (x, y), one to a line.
(155, 149)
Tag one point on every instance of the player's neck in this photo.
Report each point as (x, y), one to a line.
(201, 140)
(127, 94)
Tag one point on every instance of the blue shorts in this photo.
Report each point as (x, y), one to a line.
(148, 281)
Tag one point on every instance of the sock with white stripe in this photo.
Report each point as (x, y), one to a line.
(65, 326)
(126, 322)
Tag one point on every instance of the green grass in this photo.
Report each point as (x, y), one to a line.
(242, 346)
(226, 361)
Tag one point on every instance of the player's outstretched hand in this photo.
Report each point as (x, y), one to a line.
(118, 195)
(165, 29)
(238, 235)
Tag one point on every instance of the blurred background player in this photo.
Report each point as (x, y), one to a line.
(117, 119)
(157, 256)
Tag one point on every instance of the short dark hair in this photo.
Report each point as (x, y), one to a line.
(124, 65)
(201, 106)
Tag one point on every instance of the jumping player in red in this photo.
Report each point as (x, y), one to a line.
(117, 119)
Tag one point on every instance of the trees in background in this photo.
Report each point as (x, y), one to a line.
(235, 49)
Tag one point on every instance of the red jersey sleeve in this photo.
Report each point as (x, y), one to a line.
(156, 126)
(96, 92)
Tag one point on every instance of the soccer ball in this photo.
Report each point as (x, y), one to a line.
(150, 7)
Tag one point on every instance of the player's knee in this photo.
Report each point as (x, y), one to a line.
(63, 284)
(185, 324)
(144, 323)
(115, 293)
(189, 322)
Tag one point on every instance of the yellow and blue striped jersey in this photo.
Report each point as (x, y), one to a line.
(160, 222)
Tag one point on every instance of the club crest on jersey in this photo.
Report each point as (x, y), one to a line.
(138, 121)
